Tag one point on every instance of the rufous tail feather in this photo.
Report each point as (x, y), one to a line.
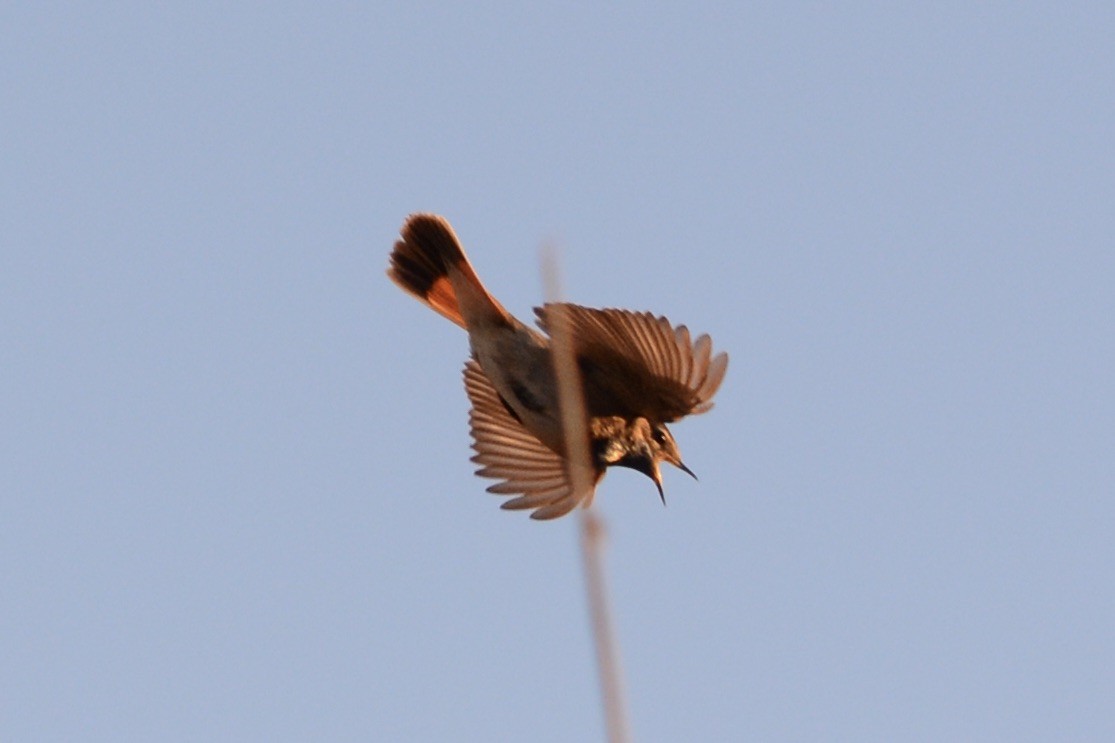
(425, 262)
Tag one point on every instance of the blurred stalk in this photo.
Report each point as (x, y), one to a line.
(574, 421)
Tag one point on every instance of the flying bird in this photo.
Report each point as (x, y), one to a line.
(638, 373)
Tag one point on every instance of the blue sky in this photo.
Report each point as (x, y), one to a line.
(237, 498)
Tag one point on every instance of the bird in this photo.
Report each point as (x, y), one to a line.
(638, 373)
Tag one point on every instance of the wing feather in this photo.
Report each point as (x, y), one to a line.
(634, 363)
(509, 452)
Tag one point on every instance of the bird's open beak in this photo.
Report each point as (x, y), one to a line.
(648, 467)
(681, 466)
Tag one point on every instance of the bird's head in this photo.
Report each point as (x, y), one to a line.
(640, 445)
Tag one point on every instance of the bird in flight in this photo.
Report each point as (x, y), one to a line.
(638, 373)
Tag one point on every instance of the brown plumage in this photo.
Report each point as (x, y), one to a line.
(638, 373)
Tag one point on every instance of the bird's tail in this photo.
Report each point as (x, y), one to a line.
(429, 263)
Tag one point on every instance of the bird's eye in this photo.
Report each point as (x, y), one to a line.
(659, 436)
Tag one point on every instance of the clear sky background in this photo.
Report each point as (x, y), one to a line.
(236, 500)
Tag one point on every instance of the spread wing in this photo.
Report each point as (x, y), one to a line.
(508, 451)
(634, 363)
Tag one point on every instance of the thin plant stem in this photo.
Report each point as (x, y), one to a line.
(607, 653)
(575, 424)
